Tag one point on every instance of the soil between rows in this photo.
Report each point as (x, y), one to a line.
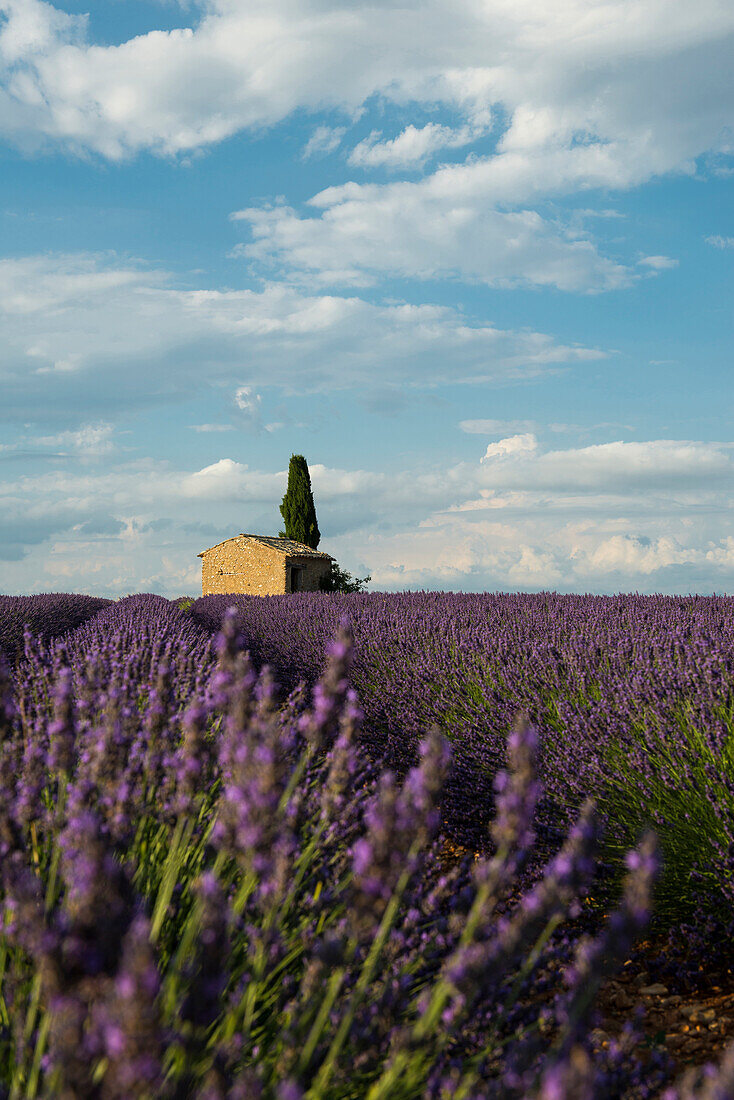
(693, 1025)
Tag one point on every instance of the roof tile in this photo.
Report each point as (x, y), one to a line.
(287, 546)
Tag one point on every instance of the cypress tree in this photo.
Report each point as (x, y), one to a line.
(298, 509)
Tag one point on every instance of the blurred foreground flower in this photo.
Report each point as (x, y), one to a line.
(247, 905)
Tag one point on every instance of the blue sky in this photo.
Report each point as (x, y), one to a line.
(473, 258)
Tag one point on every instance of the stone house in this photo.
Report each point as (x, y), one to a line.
(261, 565)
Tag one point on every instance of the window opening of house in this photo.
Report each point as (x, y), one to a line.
(295, 579)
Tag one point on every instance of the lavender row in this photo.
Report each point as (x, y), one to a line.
(209, 894)
(633, 698)
(50, 615)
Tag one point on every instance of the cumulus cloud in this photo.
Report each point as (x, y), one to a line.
(222, 480)
(511, 447)
(585, 100)
(657, 81)
(248, 405)
(411, 147)
(631, 555)
(588, 98)
(426, 230)
(75, 325)
(650, 516)
(643, 466)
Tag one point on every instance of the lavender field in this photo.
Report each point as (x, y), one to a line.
(226, 880)
(632, 698)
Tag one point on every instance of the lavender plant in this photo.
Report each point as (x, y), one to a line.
(212, 891)
(683, 786)
(631, 697)
(52, 614)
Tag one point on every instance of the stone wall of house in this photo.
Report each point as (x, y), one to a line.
(240, 565)
(312, 570)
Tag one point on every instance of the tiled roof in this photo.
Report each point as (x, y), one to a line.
(285, 546)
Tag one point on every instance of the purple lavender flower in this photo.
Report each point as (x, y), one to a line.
(195, 759)
(33, 778)
(11, 839)
(711, 1083)
(255, 767)
(129, 1018)
(99, 897)
(343, 763)
(62, 731)
(320, 725)
(479, 968)
(595, 959)
(517, 792)
(571, 1079)
(345, 928)
(400, 823)
(206, 972)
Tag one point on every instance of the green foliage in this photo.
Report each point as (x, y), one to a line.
(338, 580)
(298, 509)
(684, 780)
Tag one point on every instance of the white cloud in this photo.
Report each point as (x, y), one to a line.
(413, 146)
(723, 554)
(114, 321)
(34, 29)
(534, 567)
(658, 263)
(246, 400)
(642, 466)
(324, 140)
(213, 427)
(653, 77)
(649, 516)
(631, 556)
(88, 441)
(608, 96)
(223, 479)
(417, 231)
(514, 445)
(720, 242)
(92, 440)
(248, 405)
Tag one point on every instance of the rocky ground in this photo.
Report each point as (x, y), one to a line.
(694, 1027)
